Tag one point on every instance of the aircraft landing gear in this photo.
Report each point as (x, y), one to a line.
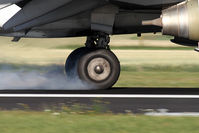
(94, 64)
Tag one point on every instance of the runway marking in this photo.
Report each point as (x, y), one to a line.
(98, 96)
(189, 114)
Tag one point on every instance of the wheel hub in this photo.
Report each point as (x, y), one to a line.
(99, 69)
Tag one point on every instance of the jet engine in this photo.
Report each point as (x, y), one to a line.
(181, 20)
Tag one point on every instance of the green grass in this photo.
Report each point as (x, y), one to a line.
(38, 122)
(158, 79)
(159, 76)
(160, 68)
(131, 75)
(149, 48)
(125, 42)
(130, 47)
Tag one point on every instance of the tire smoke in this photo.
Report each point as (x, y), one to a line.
(37, 78)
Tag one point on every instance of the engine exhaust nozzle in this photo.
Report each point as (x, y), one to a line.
(182, 20)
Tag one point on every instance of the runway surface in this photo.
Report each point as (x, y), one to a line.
(169, 91)
(118, 100)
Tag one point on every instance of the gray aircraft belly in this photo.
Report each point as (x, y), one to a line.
(149, 2)
(61, 13)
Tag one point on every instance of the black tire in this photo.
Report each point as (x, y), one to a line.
(72, 60)
(106, 72)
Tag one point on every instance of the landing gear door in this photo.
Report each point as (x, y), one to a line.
(103, 18)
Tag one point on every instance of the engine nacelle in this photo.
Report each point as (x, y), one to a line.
(182, 20)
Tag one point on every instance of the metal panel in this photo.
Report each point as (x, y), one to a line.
(9, 1)
(68, 10)
(4, 5)
(34, 9)
(103, 18)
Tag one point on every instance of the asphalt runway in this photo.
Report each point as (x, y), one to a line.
(169, 101)
(170, 91)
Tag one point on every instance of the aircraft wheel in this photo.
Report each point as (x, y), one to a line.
(72, 60)
(100, 68)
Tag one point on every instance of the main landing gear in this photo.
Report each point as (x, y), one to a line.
(94, 64)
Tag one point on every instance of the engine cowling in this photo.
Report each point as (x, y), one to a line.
(182, 20)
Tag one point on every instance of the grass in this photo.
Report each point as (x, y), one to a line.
(120, 41)
(35, 122)
(185, 76)
(158, 79)
(159, 76)
(131, 47)
(160, 68)
(131, 75)
(149, 61)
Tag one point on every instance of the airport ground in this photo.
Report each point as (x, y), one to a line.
(47, 122)
(150, 61)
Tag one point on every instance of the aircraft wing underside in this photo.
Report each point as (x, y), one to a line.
(25, 15)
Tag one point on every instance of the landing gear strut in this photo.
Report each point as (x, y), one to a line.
(98, 40)
(94, 64)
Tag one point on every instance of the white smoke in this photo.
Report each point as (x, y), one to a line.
(37, 78)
